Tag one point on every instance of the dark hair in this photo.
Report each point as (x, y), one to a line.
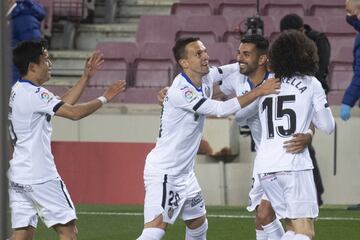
(28, 52)
(292, 53)
(179, 48)
(261, 43)
(291, 21)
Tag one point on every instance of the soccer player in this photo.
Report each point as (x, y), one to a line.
(170, 183)
(286, 178)
(35, 187)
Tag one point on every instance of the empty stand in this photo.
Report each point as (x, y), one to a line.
(118, 57)
(210, 29)
(191, 9)
(325, 8)
(155, 65)
(281, 8)
(232, 8)
(158, 28)
(221, 53)
(70, 9)
(341, 71)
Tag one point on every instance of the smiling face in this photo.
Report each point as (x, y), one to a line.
(42, 70)
(196, 59)
(248, 58)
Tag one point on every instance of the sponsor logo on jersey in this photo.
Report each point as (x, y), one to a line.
(46, 97)
(20, 188)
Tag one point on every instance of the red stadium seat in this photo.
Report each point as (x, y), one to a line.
(155, 65)
(118, 57)
(335, 97)
(281, 8)
(232, 8)
(191, 9)
(221, 53)
(341, 71)
(210, 29)
(158, 28)
(70, 9)
(325, 8)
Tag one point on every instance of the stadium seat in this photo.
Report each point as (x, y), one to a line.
(236, 27)
(118, 57)
(281, 8)
(325, 8)
(233, 8)
(191, 9)
(155, 65)
(139, 95)
(213, 3)
(221, 53)
(210, 29)
(341, 69)
(158, 28)
(70, 9)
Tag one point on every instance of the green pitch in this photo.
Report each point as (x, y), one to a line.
(99, 222)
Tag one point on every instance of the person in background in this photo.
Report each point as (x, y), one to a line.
(293, 21)
(25, 18)
(352, 93)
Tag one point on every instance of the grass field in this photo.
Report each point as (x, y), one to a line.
(98, 222)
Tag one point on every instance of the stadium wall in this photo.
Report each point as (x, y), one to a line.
(101, 157)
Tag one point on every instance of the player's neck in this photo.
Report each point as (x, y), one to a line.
(257, 77)
(195, 78)
(31, 79)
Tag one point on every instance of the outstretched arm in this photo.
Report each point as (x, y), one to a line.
(91, 66)
(78, 111)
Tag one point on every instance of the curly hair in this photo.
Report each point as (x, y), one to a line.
(293, 54)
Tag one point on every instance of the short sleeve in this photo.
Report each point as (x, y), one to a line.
(217, 74)
(43, 101)
(185, 98)
(319, 98)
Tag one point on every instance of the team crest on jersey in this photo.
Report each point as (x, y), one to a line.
(189, 94)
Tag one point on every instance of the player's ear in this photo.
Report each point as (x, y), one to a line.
(263, 60)
(31, 67)
(183, 63)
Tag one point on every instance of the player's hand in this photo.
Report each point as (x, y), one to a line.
(115, 89)
(353, 8)
(298, 143)
(271, 86)
(92, 64)
(345, 112)
(161, 95)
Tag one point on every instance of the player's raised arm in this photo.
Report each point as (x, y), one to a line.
(78, 111)
(91, 66)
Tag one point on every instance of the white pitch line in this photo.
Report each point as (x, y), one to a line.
(211, 216)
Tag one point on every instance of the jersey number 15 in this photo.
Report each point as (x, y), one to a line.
(280, 112)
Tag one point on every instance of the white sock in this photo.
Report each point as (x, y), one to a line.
(289, 235)
(197, 233)
(299, 236)
(261, 235)
(274, 230)
(152, 234)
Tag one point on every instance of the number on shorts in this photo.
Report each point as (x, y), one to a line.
(174, 199)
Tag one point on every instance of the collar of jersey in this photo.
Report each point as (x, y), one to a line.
(27, 81)
(266, 76)
(189, 81)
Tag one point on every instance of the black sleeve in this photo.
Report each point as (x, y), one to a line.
(57, 106)
(324, 50)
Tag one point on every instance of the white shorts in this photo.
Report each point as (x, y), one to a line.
(50, 201)
(292, 193)
(256, 194)
(171, 196)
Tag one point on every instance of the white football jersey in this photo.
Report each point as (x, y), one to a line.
(30, 110)
(240, 84)
(281, 115)
(182, 121)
